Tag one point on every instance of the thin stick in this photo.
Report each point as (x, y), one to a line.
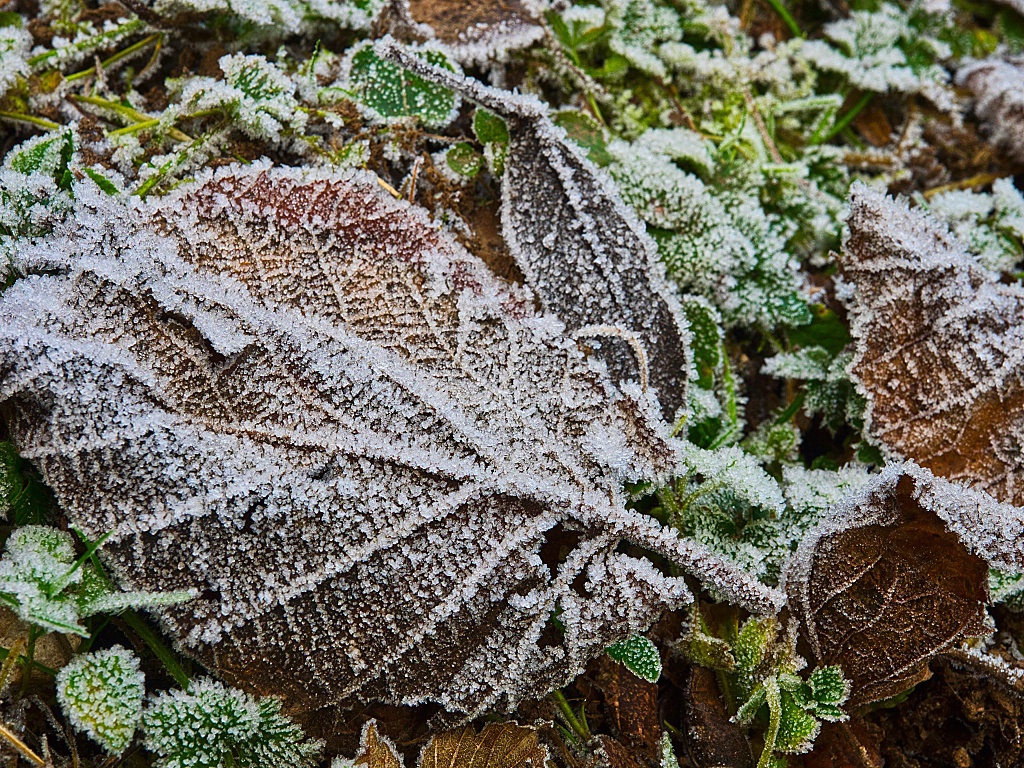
(20, 745)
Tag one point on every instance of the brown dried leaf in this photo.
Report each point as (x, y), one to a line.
(606, 752)
(940, 348)
(478, 31)
(632, 706)
(376, 751)
(713, 738)
(884, 585)
(998, 89)
(498, 745)
(568, 229)
(297, 396)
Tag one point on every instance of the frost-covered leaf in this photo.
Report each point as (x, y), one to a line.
(998, 88)
(480, 31)
(498, 745)
(568, 229)
(640, 656)
(389, 92)
(891, 579)
(101, 694)
(15, 44)
(212, 726)
(311, 389)
(375, 751)
(990, 225)
(940, 347)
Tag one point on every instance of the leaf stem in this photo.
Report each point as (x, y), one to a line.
(570, 717)
(21, 117)
(20, 745)
(162, 652)
(120, 55)
(786, 17)
(848, 118)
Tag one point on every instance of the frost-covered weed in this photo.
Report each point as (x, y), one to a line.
(990, 224)
(15, 42)
(213, 726)
(101, 694)
(44, 583)
(827, 388)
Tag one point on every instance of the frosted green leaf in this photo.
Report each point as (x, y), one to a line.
(585, 131)
(464, 160)
(101, 695)
(213, 726)
(828, 685)
(640, 656)
(15, 44)
(639, 28)
(1007, 588)
(668, 754)
(48, 154)
(492, 132)
(389, 92)
(797, 728)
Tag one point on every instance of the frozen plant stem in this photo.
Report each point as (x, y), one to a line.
(21, 746)
(119, 56)
(563, 706)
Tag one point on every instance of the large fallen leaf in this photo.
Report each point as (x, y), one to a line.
(299, 397)
(891, 580)
(940, 347)
(568, 230)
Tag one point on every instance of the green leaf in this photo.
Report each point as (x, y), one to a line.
(640, 656)
(391, 92)
(585, 131)
(101, 181)
(101, 694)
(705, 327)
(797, 728)
(829, 685)
(825, 329)
(753, 641)
(11, 19)
(49, 154)
(464, 160)
(493, 134)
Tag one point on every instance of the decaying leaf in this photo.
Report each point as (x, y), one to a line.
(940, 347)
(296, 395)
(568, 229)
(479, 31)
(887, 583)
(498, 745)
(998, 88)
(376, 751)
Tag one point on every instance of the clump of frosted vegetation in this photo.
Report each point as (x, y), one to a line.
(886, 50)
(213, 726)
(276, 18)
(828, 390)
(15, 43)
(718, 242)
(101, 694)
(256, 93)
(990, 224)
(44, 583)
(638, 30)
(35, 187)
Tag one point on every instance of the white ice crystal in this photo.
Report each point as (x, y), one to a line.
(101, 695)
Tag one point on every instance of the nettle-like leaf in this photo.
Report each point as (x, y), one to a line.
(568, 229)
(212, 726)
(294, 394)
(101, 694)
(998, 88)
(389, 92)
(41, 580)
(939, 347)
(479, 31)
(640, 655)
(991, 225)
(898, 574)
(35, 183)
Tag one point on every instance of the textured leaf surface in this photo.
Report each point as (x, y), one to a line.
(479, 30)
(568, 230)
(376, 751)
(885, 584)
(498, 745)
(301, 399)
(940, 347)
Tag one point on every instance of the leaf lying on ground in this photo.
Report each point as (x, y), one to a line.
(498, 745)
(568, 229)
(998, 88)
(375, 751)
(478, 31)
(885, 585)
(293, 393)
(940, 347)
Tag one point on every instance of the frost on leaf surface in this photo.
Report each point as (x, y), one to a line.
(212, 726)
(998, 89)
(939, 347)
(897, 574)
(478, 31)
(301, 399)
(580, 248)
(101, 694)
